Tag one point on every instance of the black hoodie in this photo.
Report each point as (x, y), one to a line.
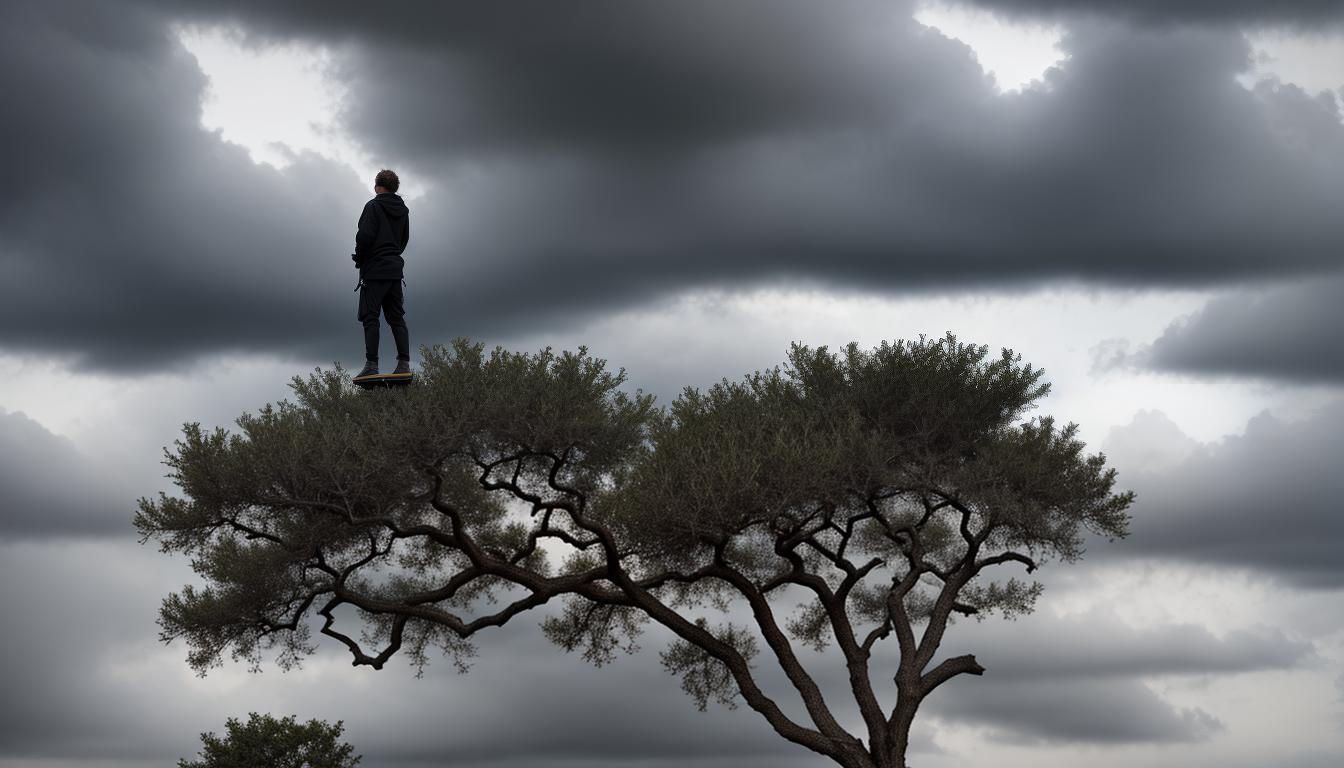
(384, 230)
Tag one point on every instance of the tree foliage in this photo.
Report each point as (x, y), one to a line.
(868, 493)
(266, 741)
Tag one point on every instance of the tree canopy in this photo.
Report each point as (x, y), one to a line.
(266, 741)
(877, 488)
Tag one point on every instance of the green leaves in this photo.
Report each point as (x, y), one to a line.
(704, 676)
(730, 458)
(1010, 599)
(325, 492)
(546, 402)
(265, 741)
(836, 430)
(922, 397)
(1039, 489)
(600, 630)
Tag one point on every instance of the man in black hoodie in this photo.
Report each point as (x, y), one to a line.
(384, 230)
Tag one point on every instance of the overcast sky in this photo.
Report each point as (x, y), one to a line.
(1141, 196)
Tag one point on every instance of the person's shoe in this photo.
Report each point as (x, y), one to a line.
(370, 369)
(403, 368)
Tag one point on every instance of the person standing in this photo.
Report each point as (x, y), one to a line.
(384, 230)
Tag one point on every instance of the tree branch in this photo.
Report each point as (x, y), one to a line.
(838, 749)
(783, 650)
(1006, 557)
(948, 669)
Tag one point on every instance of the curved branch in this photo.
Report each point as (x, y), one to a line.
(950, 668)
(788, 661)
(839, 749)
(362, 658)
(1006, 557)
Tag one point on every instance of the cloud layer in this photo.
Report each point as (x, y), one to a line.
(1268, 500)
(1061, 681)
(1088, 678)
(52, 489)
(584, 161)
(1287, 332)
(1293, 12)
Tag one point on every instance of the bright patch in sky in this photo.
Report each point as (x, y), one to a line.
(1014, 53)
(1313, 61)
(274, 100)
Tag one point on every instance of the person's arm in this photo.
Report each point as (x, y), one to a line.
(365, 233)
(406, 234)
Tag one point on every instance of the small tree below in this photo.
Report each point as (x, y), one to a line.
(872, 495)
(264, 742)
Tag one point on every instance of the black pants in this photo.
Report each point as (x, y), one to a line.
(384, 295)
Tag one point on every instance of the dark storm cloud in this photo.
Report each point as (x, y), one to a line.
(869, 151)
(621, 80)
(51, 489)
(1098, 646)
(1073, 711)
(1287, 332)
(1268, 500)
(1082, 679)
(134, 235)
(1293, 12)
(593, 157)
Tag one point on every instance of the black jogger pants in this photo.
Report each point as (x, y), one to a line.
(384, 295)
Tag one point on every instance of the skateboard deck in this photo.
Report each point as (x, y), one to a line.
(384, 380)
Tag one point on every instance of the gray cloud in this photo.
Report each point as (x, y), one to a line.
(1086, 678)
(1293, 12)
(1268, 500)
(1077, 711)
(90, 680)
(593, 159)
(1312, 759)
(138, 236)
(52, 489)
(1098, 646)
(77, 648)
(1285, 332)
(1151, 442)
(1141, 162)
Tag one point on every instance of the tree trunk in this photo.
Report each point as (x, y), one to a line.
(901, 720)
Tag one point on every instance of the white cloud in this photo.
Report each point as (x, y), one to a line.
(1014, 52)
(1313, 60)
(274, 99)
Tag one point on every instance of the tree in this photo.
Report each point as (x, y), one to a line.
(283, 743)
(877, 489)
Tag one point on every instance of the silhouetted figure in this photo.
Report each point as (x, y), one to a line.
(384, 230)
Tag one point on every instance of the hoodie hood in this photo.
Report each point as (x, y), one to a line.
(392, 205)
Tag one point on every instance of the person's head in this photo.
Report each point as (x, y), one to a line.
(386, 181)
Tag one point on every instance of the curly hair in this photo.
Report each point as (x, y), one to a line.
(387, 180)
